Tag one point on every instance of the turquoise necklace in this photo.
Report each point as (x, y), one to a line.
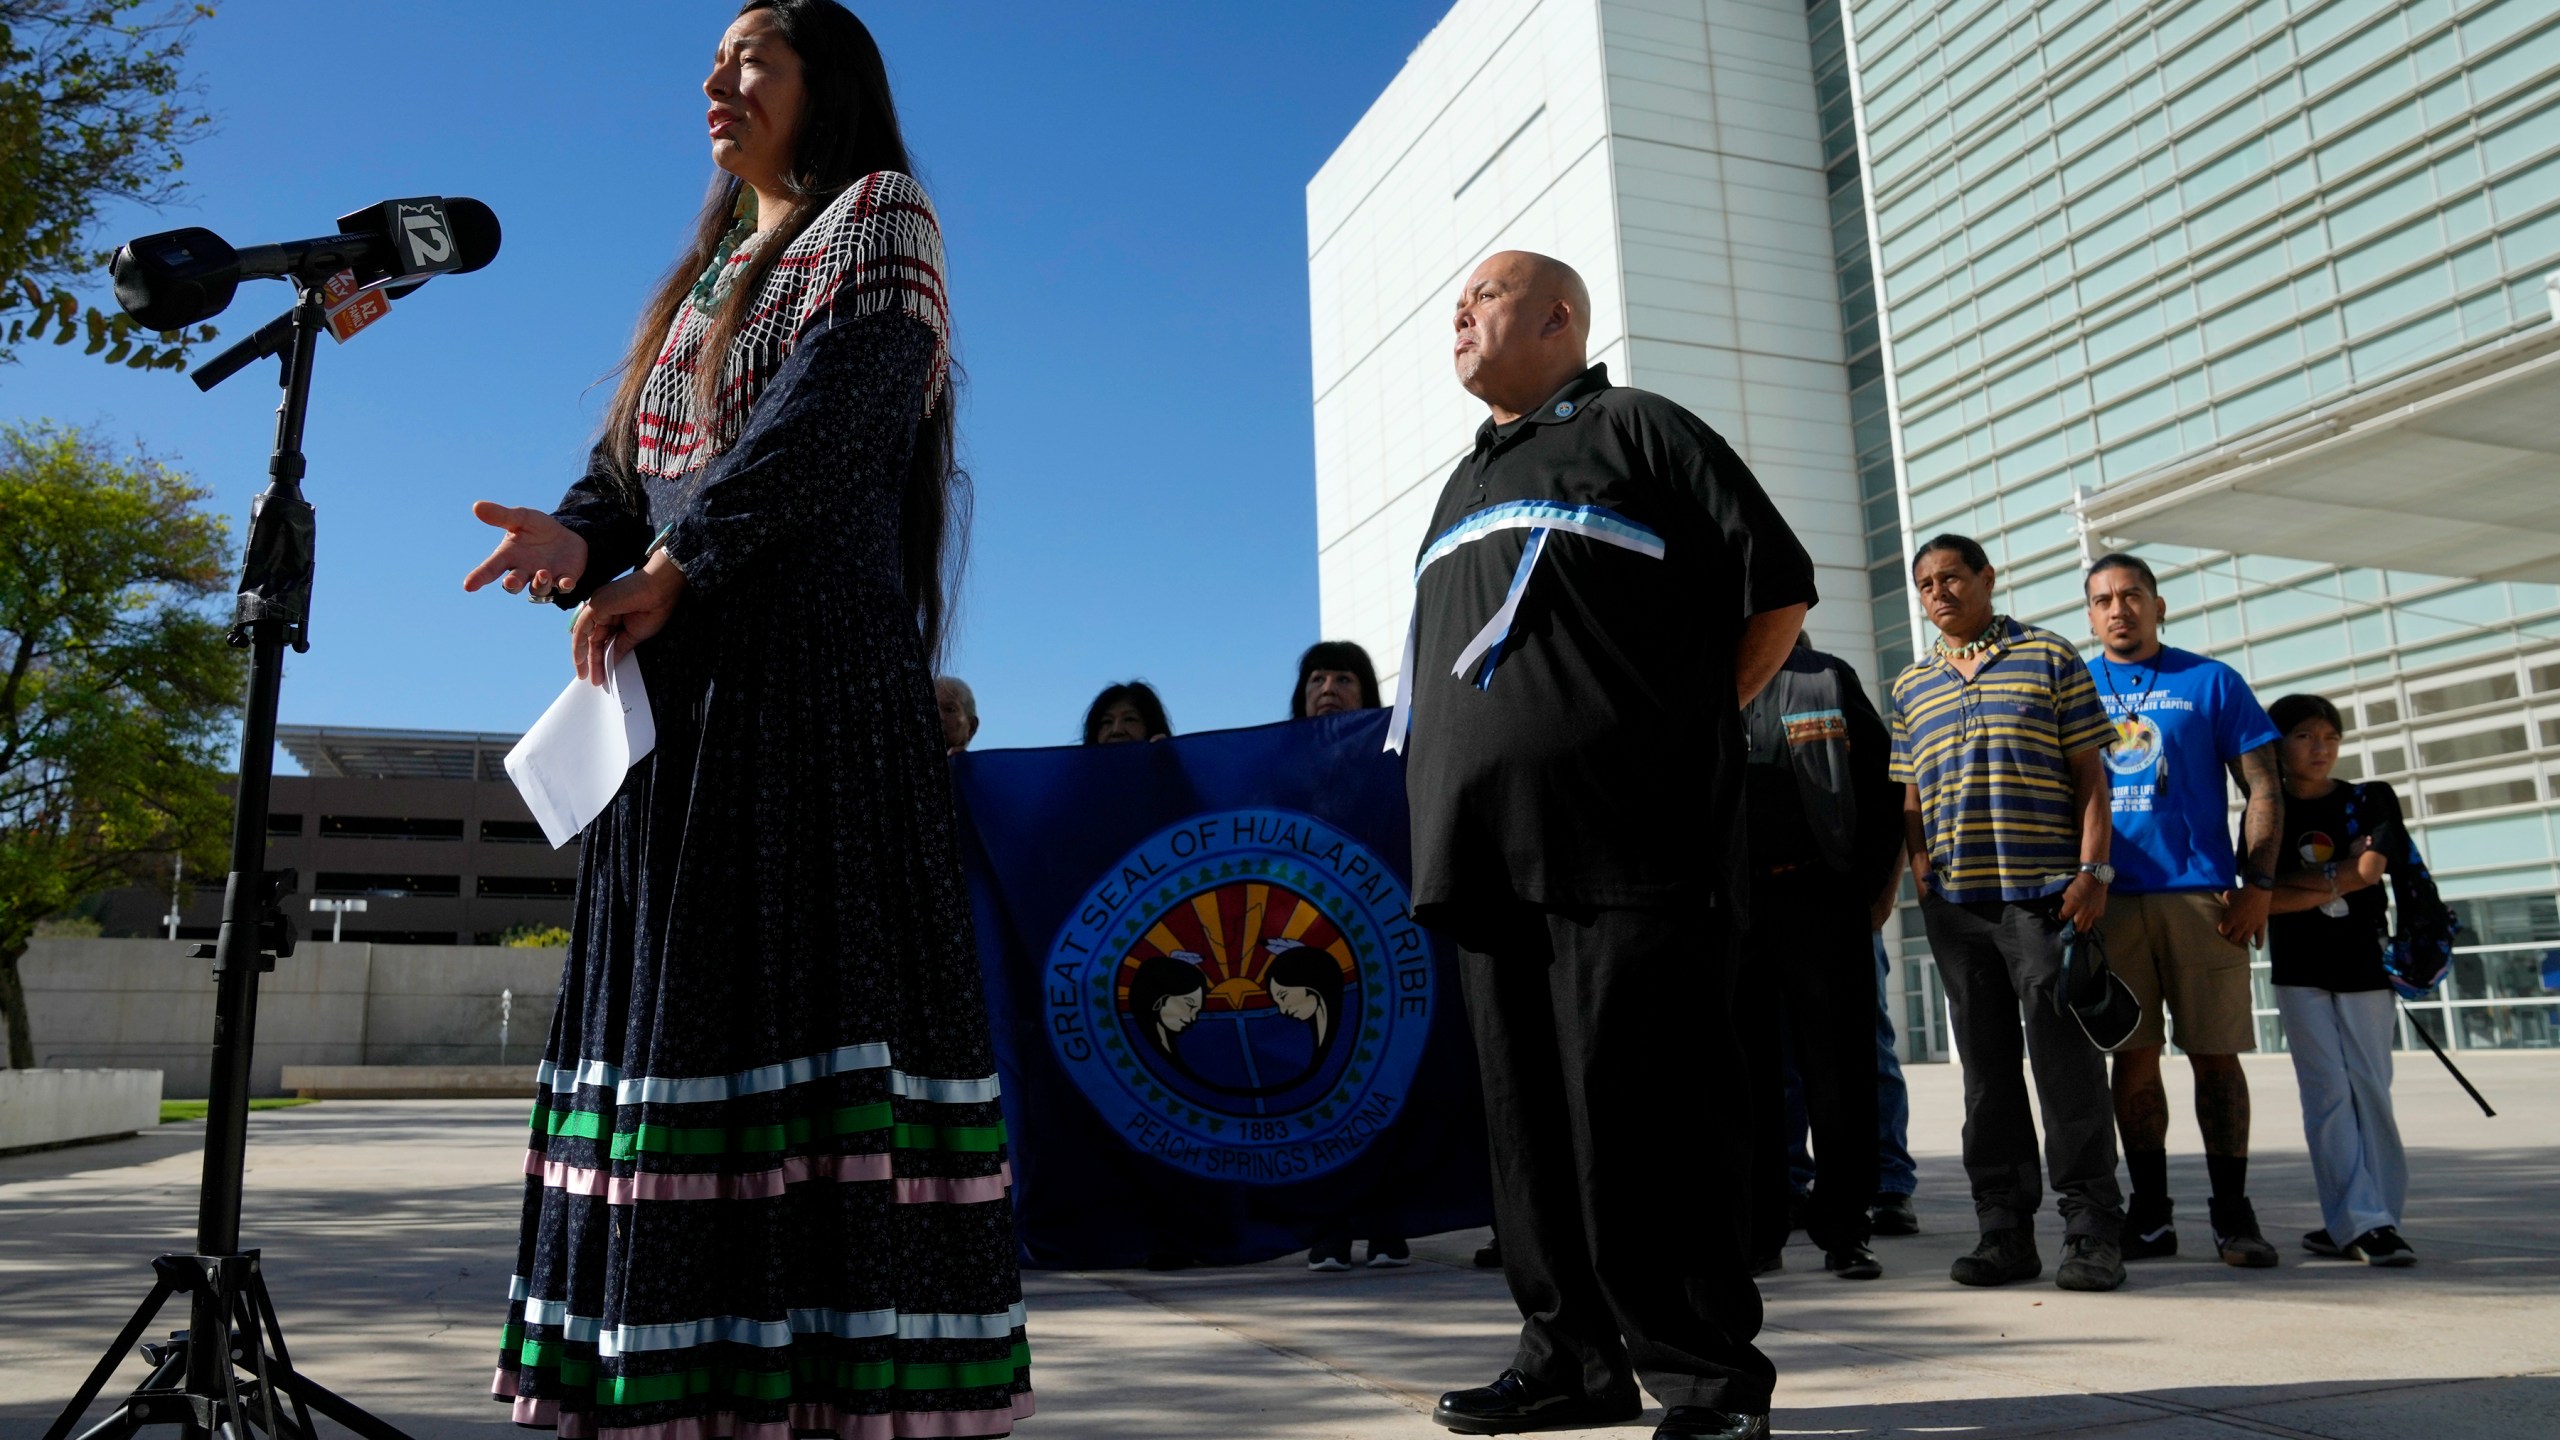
(713, 284)
(1966, 652)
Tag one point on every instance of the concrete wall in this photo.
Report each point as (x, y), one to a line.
(53, 1107)
(144, 1003)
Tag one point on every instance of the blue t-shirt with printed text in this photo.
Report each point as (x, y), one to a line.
(2180, 719)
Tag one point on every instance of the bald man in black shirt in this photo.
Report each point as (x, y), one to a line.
(1604, 585)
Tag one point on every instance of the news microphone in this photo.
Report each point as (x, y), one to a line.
(179, 277)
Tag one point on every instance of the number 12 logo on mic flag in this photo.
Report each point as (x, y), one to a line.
(351, 307)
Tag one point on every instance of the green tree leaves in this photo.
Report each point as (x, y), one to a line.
(117, 684)
(95, 107)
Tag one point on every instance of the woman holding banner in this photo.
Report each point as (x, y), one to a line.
(767, 1187)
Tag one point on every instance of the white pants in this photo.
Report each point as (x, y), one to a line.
(2341, 1046)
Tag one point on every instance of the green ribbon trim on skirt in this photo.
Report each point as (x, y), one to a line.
(825, 1376)
(768, 1139)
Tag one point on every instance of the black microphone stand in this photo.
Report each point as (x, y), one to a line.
(227, 1376)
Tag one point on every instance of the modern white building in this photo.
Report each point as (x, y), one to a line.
(2264, 292)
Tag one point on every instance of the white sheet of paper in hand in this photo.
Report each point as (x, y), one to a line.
(571, 762)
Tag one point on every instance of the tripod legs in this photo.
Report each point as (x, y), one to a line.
(228, 1374)
(167, 1282)
(256, 1374)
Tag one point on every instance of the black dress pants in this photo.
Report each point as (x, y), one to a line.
(2000, 964)
(1613, 1093)
(1808, 961)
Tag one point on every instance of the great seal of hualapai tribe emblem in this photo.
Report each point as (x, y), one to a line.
(2137, 747)
(1244, 996)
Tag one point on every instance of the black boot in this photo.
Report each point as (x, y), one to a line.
(2004, 1257)
(2089, 1262)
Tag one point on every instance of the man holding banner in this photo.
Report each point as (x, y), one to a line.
(1575, 780)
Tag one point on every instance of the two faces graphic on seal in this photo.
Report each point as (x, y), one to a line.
(1169, 993)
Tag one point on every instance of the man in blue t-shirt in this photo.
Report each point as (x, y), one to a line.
(2183, 910)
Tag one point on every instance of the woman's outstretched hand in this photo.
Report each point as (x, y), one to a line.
(538, 551)
(623, 614)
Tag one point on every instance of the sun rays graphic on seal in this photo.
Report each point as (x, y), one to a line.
(1244, 996)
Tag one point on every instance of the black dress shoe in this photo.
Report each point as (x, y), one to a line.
(1857, 1262)
(1892, 1215)
(1489, 1254)
(1691, 1422)
(1515, 1403)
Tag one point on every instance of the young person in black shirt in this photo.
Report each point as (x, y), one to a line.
(2325, 940)
(1603, 588)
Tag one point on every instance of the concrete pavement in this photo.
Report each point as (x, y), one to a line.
(390, 1223)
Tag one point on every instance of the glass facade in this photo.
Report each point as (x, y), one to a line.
(1870, 421)
(2080, 240)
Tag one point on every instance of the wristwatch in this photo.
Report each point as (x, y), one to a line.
(2257, 879)
(2100, 871)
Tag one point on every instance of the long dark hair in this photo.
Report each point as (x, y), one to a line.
(1307, 968)
(1343, 655)
(1161, 978)
(848, 129)
(1138, 693)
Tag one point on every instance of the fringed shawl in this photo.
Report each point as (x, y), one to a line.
(875, 247)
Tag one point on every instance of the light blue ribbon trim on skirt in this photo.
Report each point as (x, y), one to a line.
(1540, 518)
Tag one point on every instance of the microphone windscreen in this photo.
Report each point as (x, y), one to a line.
(475, 232)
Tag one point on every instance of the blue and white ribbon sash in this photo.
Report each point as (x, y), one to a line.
(1540, 518)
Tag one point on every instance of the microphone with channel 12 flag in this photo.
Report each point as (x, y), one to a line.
(176, 278)
(384, 251)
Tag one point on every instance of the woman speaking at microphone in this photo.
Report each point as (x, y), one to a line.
(766, 1191)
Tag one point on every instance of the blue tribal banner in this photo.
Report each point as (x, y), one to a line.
(1218, 1026)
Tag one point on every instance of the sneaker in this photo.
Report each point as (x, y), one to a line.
(1857, 1262)
(2150, 1230)
(1388, 1252)
(2381, 1246)
(2089, 1263)
(1329, 1257)
(1892, 1215)
(2319, 1243)
(2004, 1257)
(1489, 1254)
(2236, 1236)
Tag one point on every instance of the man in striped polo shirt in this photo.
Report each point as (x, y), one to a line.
(1997, 738)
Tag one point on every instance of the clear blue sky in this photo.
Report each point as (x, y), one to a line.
(1122, 187)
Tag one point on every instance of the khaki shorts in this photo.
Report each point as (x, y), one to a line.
(2166, 948)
